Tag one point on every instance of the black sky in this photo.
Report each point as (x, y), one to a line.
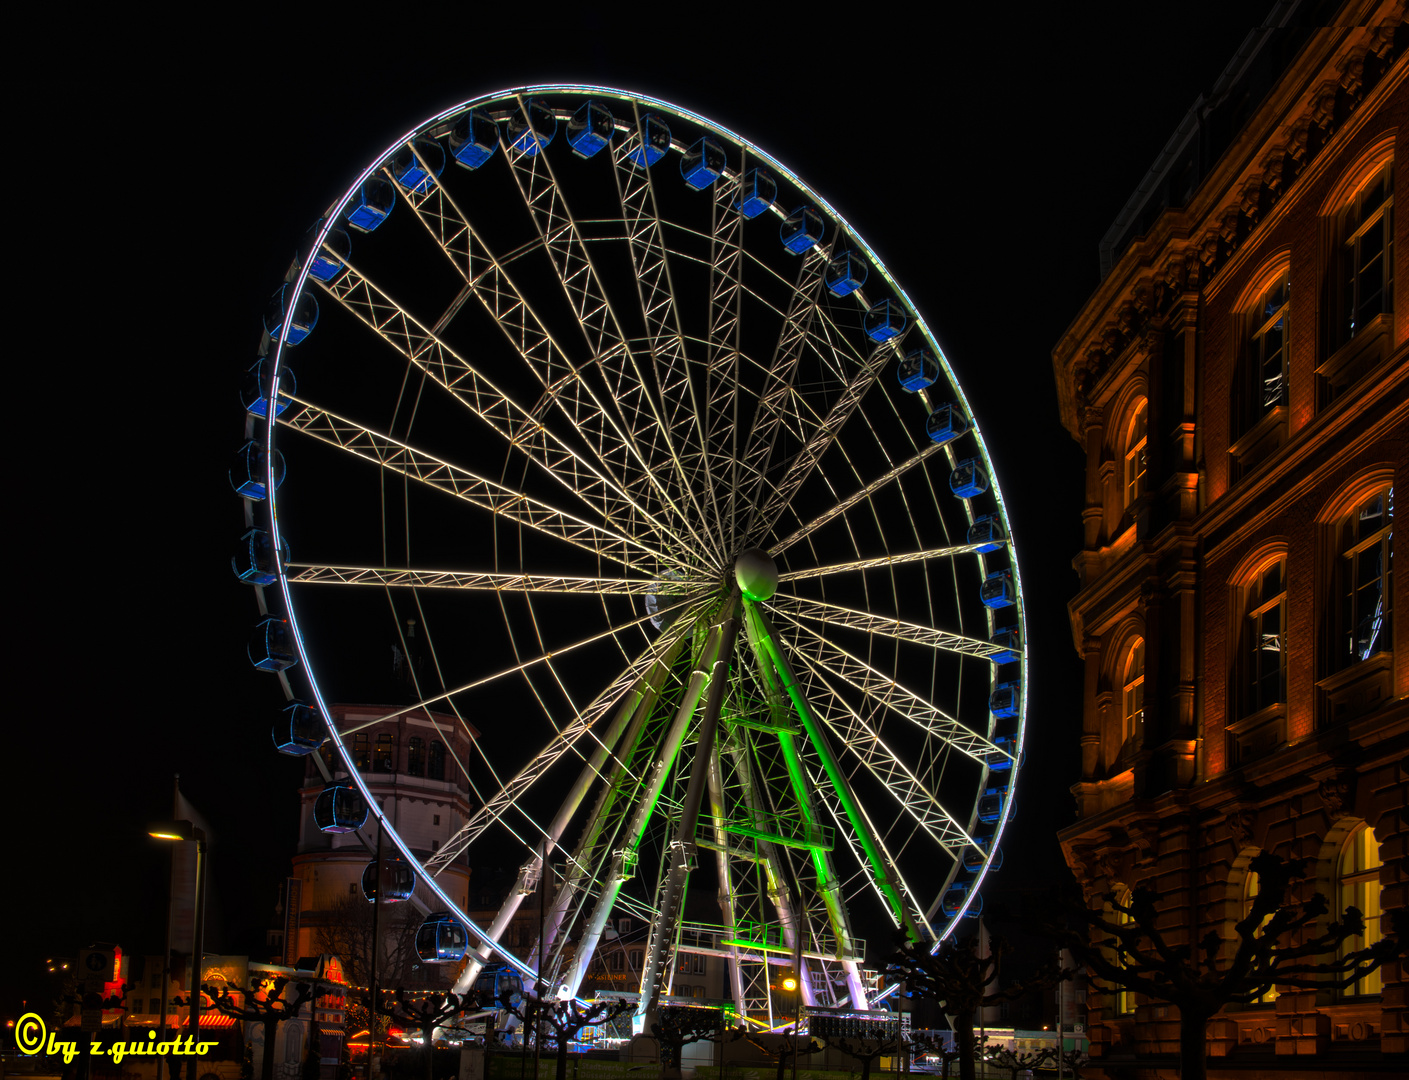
(159, 181)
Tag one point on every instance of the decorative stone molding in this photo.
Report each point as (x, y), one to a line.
(1338, 793)
(1240, 827)
(1352, 77)
(1323, 106)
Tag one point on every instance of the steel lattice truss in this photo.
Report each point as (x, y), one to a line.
(547, 404)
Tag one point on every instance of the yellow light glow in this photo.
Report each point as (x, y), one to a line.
(165, 836)
(790, 984)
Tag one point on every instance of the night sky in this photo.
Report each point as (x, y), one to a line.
(159, 185)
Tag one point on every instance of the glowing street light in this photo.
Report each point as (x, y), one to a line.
(184, 830)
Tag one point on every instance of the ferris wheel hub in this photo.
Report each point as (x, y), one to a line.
(756, 573)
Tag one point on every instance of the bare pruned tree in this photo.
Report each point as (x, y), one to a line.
(784, 1045)
(345, 930)
(264, 1004)
(564, 1019)
(1279, 944)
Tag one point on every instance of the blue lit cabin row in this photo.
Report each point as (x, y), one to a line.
(395, 883)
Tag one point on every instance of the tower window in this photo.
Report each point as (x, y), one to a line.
(1266, 643)
(1365, 579)
(1358, 885)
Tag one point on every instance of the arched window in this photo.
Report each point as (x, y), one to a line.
(1264, 658)
(416, 756)
(1358, 885)
(1132, 695)
(1364, 542)
(1264, 382)
(1124, 999)
(1251, 887)
(1135, 454)
(362, 753)
(1366, 255)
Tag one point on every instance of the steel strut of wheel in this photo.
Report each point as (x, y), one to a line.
(682, 848)
(638, 697)
(649, 793)
(767, 642)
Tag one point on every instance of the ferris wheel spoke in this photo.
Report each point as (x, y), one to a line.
(405, 460)
(425, 350)
(882, 689)
(821, 438)
(847, 832)
(722, 384)
(683, 421)
(839, 508)
(606, 341)
(777, 389)
(565, 737)
(564, 387)
(802, 607)
(878, 561)
(467, 580)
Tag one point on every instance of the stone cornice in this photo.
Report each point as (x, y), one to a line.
(1186, 248)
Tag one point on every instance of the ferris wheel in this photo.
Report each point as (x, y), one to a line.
(693, 521)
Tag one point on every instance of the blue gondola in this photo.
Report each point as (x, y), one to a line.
(331, 259)
(802, 229)
(371, 205)
(968, 479)
(340, 808)
(946, 424)
(295, 326)
(976, 908)
(396, 875)
(299, 730)
(247, 472)
(418, 164)
(703, 163)
(919, 370)
(846, 273)
(975, 858)
(885, 321)
(255, 388)
(990, 806)
(1009, 647)
(528, 135)
(756, 193)
(1005, 700)
(997, 590)
(474, 139)
(954, 897)
(441, 939)
(590, 129)
(498, 980)
(1002, 758)
(987, 532)
(655, 141)
(271, 646)
(253, 561)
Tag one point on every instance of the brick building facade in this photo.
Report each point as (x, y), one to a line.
(1238, 381)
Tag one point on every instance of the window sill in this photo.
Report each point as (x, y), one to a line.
(1356, 690)
(1257, 735)
(1260, 441)
(1357, 356)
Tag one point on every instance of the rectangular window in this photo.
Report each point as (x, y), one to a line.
(623, 926)
(435, 819)
(416, 756)
(435, 769)
(362, 753)
(385, 760)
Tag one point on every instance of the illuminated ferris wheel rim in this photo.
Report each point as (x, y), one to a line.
(516, 96)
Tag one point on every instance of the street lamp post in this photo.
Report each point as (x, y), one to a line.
(184, 830)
